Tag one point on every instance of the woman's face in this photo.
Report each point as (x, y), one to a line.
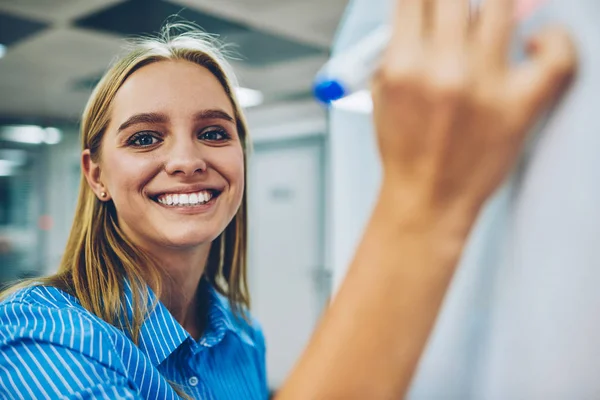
(171, 159)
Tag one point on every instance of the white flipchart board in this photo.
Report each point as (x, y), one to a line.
(522, 317)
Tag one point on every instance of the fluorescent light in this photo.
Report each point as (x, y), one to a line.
(6, 168)
(53, 135)
(360, 102)
(31, 134)
(2, 50)
(248, 97)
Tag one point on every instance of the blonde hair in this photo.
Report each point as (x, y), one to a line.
(99, 257)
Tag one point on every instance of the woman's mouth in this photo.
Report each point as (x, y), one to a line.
(186, 199)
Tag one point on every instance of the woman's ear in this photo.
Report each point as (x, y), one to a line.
(91, 171)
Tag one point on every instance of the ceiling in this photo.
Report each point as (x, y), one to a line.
(56, 49)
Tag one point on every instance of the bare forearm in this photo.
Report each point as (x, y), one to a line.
(370, 340)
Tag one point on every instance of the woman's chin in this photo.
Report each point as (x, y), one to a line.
(189, 240)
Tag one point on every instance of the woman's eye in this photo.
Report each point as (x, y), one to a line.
(214, 135)
(143, 139)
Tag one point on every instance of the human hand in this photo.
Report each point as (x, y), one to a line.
(450, 111)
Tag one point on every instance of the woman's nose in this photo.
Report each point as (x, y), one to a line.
(185, 158)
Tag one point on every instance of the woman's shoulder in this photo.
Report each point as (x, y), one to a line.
(51, 347)
(41, 296)
(49, 315)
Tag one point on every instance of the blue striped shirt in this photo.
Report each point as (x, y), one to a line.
(51, 347)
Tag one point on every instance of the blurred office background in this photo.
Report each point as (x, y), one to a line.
(54, 51)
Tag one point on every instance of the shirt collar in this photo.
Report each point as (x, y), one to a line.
(221, 319)
(161, 334)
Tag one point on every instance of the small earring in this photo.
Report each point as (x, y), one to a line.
(103, 194)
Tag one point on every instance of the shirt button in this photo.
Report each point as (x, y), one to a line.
(193, 381)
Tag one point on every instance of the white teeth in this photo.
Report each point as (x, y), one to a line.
(186, 199)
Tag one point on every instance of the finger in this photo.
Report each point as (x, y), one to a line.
(473, 19)
(408, 21)
(450, 25)
(493, 33)
(539, 81)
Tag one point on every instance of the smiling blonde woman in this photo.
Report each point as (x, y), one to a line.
(151, 299)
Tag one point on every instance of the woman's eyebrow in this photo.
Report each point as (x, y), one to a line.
(159, 118)
(213, 114)
(147, 118)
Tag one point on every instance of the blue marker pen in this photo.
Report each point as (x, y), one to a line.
(350, 70)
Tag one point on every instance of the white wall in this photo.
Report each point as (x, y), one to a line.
(354, 181)
(544, 332)
(287, 272)
(286, 121)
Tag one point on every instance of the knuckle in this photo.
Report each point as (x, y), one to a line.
(399, 75)
(449, 87)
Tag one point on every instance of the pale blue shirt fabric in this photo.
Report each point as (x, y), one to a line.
(51, 348)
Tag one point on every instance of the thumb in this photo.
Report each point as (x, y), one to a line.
(542, 78)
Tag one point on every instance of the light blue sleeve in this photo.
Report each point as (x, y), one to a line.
(32, 369)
